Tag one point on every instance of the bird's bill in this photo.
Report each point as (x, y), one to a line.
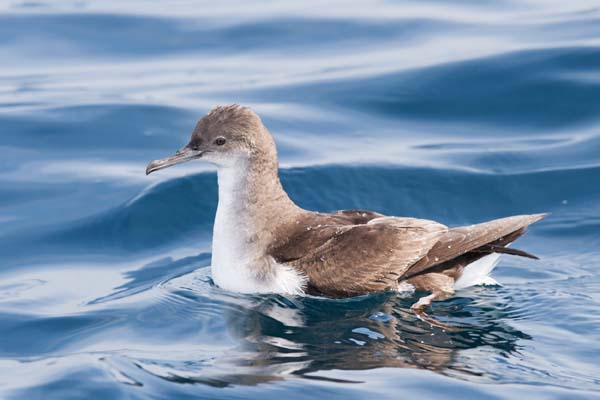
(183, 155)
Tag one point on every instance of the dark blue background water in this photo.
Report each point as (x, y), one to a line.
(459, 112)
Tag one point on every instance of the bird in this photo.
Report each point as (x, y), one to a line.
(263, 242)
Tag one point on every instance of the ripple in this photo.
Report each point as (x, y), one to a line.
(458, 112)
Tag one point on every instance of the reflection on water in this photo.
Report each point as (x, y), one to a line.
(351, 335)
(277, 336)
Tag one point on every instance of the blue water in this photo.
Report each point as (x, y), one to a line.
(455, 111)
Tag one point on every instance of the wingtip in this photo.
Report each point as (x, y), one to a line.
(539, 216)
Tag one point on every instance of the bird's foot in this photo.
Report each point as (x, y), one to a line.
(419, 309)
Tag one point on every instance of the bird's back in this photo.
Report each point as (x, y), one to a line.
(354, 252)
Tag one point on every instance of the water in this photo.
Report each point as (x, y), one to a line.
(459, 112)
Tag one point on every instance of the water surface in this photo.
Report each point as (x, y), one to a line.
(454, 111)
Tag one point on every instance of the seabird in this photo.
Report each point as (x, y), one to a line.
(264, 243)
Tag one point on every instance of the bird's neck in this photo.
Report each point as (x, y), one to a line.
(252, 208)
(251, 191)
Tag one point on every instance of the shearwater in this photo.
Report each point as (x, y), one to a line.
(264, 243)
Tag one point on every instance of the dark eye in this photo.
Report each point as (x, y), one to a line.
(195, 147)
(220, 141)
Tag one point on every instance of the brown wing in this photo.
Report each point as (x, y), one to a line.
(356, 217)
(358, 259)
(315, 229)
(461, 240)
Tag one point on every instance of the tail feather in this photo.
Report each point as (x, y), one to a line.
(474, 240)
(492, 248)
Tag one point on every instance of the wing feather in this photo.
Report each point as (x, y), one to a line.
(461, 240)
(368, 257)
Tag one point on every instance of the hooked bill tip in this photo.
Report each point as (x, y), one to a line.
(150, 168)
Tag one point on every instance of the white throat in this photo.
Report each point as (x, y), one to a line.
(238, 262)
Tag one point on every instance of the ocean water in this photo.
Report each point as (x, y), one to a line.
(455, 111)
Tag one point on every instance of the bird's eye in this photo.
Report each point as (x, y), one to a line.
(195, 147)
(220, 141)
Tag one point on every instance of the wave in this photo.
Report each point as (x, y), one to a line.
(534, 89)
(180, 212)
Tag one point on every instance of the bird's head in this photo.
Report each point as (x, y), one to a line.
(223, 137)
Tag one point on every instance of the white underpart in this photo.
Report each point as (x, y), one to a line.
(478, 272)
(234, 262)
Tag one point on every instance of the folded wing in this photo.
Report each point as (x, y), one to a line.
(357, 259)
(461, 240)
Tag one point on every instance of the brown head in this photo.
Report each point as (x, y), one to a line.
(223, 137)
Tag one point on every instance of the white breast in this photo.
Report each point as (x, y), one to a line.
(235, 262)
